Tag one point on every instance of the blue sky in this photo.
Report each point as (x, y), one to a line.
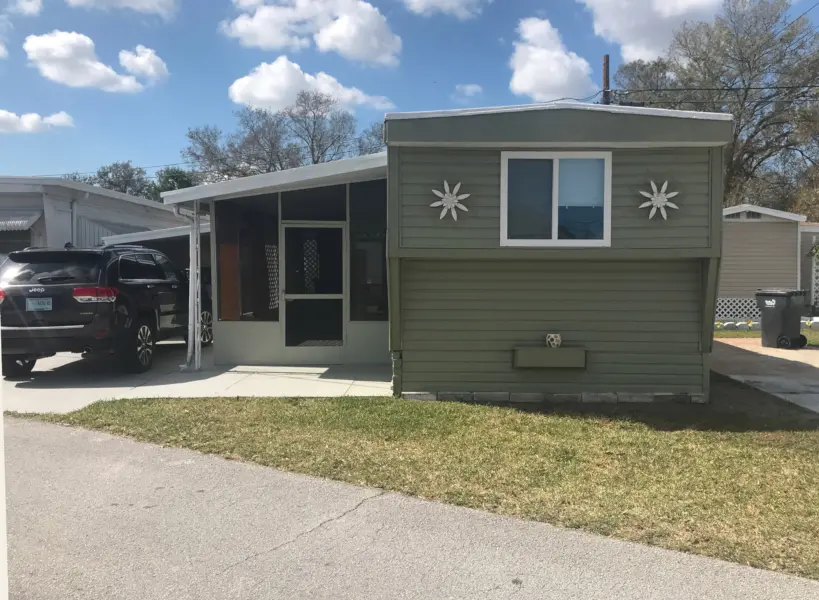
(193, 62)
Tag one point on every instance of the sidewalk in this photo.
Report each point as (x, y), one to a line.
(791, 375)
(95, 517)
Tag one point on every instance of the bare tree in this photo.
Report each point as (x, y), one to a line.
(371, 139)
(260, 144)
(313, 130)
(753, 62)
(324, 131)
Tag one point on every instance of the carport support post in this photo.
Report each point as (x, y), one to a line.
(191, 295)
(4, 571)
(196, 236)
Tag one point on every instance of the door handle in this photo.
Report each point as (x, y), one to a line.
(150, 286)
(173, 287)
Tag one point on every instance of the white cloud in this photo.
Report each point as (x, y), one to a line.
(26, 7)
(542, 66)
(164, 8)
(353, 28)
(70, 59)
(463, 9)
(466, 92)
(5, 27)
(32, 122)
(275, 86)
(644, 28)
(144, 62)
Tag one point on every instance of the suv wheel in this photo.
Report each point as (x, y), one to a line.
(138, 354)
(207, 327)
(15, 367)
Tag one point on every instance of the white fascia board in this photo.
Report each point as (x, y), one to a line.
(609, 108)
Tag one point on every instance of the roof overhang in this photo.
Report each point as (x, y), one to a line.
(19, 220)
(41, 185)
(155, 234)
(770, 212)
(560, 125)
(351, 170)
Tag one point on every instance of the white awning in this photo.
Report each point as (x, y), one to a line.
(18, 221)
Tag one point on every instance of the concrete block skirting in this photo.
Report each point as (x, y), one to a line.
(544, 398)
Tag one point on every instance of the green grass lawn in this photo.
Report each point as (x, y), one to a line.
(737, 479)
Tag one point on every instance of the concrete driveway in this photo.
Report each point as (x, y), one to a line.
(792, 375)
(65, 382)
(95, 517)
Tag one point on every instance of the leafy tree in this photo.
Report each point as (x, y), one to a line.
(125, 178)
(120, 177)
(172, 178)
(313, 130)
(756, 63)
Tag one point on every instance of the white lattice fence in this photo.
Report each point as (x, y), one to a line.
(737, 309)
(814, 296)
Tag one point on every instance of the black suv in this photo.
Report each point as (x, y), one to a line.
(112, 299)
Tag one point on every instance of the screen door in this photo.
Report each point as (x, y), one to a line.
(314, 286)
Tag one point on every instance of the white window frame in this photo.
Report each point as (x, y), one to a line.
(555, 158)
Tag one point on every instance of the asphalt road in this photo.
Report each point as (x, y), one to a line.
(93, 517)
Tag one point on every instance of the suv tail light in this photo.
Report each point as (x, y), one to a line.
(2, 295)
(95, 294)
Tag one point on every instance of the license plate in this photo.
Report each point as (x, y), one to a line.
(38, 304)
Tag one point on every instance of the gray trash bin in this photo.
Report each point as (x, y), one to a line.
(781, 317)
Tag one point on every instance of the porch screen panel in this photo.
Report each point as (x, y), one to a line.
(368, 251)
(247, 232)
(315, 204)
(227, 258)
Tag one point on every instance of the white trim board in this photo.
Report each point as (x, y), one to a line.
(770, 212)
(554, 242)
(557, 145)
(608, 108)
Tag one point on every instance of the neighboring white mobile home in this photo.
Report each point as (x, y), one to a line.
(51, 212)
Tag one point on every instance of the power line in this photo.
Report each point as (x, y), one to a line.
(719, 89)
(780, 32)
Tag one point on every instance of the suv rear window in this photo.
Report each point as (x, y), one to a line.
(46, 268)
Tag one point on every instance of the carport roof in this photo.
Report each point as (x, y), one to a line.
(155, 234)
(350, 170)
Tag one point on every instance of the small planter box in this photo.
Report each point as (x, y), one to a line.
(541, 357)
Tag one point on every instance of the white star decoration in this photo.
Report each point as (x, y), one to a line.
(450, 200)
(659, 199)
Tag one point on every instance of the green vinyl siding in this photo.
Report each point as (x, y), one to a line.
(419, 171)
(640, 322)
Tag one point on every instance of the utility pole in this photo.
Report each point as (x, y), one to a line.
(606, 85)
